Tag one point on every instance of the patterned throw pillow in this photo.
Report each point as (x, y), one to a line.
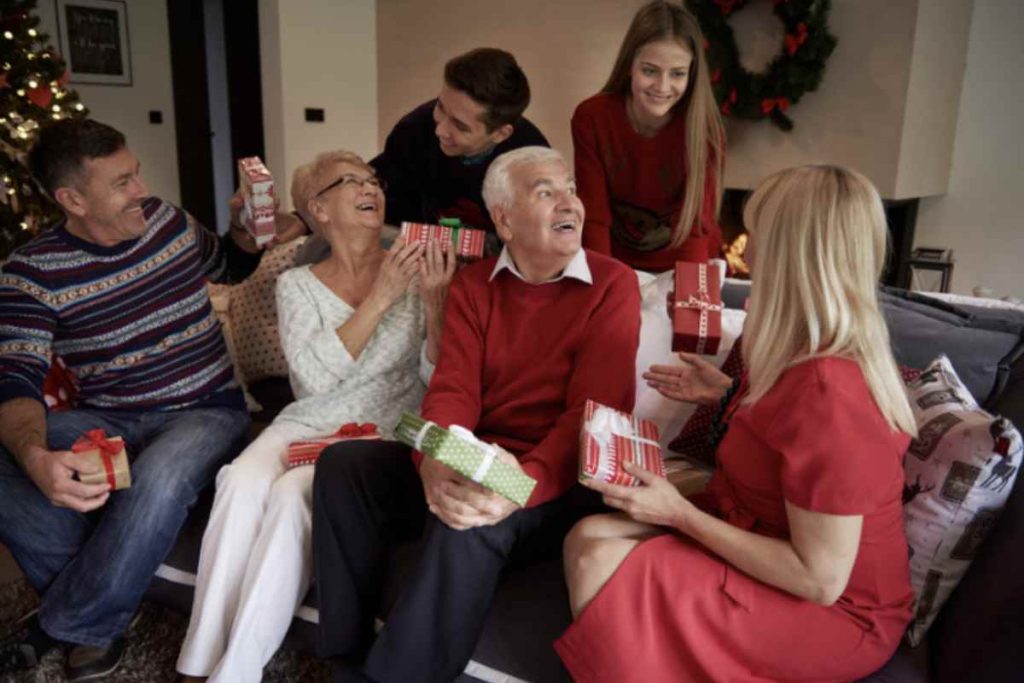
(959, 473)
(258, 353)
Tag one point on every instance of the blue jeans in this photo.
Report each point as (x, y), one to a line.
(91, 570)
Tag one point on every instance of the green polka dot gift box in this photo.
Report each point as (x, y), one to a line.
(459, 449)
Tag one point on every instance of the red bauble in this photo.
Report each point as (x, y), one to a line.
(41, 96)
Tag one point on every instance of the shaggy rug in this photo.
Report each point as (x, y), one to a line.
(153, 643)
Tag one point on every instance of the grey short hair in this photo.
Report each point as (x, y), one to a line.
(497, 188)
(310, 178)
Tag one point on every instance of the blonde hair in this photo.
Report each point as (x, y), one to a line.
(311, 178)
(705, 134)
(819, 236)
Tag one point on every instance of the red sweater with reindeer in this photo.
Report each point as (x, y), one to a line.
(519, 361)
(632, 188)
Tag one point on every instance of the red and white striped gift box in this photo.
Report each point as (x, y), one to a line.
(307, 451)
(468, 243)
(603, 450)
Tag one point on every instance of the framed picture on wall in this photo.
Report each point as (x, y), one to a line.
(94, 41)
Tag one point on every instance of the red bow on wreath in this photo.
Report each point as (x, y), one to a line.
(770, 103)
(726, 6)
(729, 101)
(793, 42)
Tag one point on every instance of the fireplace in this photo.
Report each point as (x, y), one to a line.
(901, 216)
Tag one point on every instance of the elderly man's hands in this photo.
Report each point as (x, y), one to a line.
(53, 472)
(460, 502)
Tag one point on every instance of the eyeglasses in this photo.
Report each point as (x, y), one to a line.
(349, 180)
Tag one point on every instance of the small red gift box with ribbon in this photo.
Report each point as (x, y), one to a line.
(467, 242)
(611, 437)
(109, 453)
(696, 308)
(307, 451)
(258, 196)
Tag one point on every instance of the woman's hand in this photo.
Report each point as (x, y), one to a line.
(695, 381)
(655, 501)
(400, 264)
(436, 271)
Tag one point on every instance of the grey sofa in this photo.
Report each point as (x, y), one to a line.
(974, 637)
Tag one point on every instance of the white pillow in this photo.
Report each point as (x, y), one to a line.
(959, 473)
(656, 349)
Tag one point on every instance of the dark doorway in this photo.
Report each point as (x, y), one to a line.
(199, 159)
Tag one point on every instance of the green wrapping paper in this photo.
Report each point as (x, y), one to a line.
(465, 457)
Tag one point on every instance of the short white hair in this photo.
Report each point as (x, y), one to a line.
(497, 188)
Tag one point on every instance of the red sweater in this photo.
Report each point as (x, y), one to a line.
(632, 188)
(518, 361)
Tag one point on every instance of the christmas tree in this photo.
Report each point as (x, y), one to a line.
(33, 92)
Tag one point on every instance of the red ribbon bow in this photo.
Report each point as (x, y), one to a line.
(96, 440)
(350, 429)
(793, 42)
(729, 101)
(770, 103)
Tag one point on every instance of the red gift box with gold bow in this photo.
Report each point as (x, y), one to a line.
(307, 451)
(696, 308)
(108, 453)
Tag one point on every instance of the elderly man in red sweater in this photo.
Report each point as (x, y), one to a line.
(528, 338)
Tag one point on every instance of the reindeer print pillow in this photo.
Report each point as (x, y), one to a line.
(959, 473)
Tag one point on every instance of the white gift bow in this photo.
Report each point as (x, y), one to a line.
(606, 423)
(490, 452)
(422, 434)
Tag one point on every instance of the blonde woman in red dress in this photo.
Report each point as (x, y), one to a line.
(792, 565)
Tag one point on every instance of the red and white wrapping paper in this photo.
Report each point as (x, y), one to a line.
(258, 194)
(307, 451)
(609, 438)
(696, 308)
(468, 243)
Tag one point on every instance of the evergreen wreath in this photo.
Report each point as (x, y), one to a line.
(796, 70)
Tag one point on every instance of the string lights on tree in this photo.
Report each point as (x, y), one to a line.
(33, 93)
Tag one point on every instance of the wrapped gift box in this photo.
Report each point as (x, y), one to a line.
(108, 453)
(611, 437)
(696, 308)
(467, 242)
(460, 450)
(258, 194)
(307, 451)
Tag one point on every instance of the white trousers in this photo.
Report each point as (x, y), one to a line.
(255, 562)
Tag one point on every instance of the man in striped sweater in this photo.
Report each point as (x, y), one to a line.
(117, 290)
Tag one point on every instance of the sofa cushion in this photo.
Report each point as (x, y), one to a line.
(959, 473)
(978, 340)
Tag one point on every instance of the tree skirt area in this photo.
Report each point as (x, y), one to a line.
(153, 643)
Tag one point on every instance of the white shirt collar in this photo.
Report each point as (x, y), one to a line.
(577, 268)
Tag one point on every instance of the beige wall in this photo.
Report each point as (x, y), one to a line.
(565, 48)
(869, 113)
(981, 217)
(127, 108)
(317, 53)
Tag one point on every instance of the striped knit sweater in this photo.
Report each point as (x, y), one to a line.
(132, 321)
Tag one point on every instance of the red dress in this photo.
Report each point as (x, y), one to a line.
(675, 612)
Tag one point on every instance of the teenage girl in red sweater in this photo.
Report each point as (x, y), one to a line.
(650, 147)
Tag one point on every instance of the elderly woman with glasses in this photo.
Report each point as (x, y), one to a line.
(360, 342)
